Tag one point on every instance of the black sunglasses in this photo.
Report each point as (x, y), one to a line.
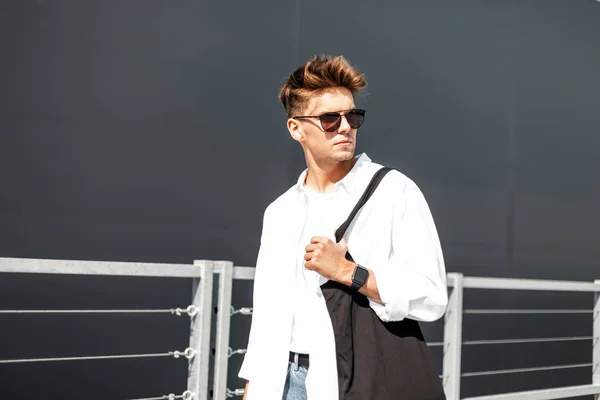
(331, 121)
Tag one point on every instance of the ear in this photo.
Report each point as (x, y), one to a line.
(294, 129)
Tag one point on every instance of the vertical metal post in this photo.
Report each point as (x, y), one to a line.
(225, 269)
(200, 331)
(453, 339)
(596, 342)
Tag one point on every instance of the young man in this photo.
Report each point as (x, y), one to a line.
(393, 240)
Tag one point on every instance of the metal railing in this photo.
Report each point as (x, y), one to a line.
(453, 335)
(200, 311)
(453, 343)
(198, 350)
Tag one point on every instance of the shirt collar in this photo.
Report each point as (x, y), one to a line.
(348, 182)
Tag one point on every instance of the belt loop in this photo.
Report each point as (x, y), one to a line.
(296, 365)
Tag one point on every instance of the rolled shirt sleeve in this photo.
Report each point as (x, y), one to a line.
(412, 284)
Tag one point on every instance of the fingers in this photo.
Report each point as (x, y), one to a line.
(312, 247)
(319, 243)
(319, 239)
(312, 250)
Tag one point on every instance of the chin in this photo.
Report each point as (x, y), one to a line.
(341, 156)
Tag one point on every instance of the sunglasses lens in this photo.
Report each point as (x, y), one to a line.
(355, 118)
(330, 121)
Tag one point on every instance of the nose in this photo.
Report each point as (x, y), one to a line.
(344, 125)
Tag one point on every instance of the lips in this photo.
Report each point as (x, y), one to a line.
(344, 142)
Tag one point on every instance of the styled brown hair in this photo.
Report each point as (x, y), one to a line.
(319, 73)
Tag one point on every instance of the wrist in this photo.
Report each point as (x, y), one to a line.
(347, 272)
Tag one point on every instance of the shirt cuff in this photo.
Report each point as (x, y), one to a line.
(395, 303)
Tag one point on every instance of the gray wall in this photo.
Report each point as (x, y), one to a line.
(150, 131)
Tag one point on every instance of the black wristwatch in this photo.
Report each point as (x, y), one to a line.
(359, 277)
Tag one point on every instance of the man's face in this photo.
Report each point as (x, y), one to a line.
(336, 146)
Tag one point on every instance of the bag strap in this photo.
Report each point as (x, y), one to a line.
(339, 233)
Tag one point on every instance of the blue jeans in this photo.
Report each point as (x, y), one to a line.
(295, 388)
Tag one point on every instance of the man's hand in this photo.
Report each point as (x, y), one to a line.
(328, 258)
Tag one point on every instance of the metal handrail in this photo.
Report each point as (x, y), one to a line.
(105, 268)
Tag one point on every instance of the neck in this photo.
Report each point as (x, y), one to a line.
(323, 174)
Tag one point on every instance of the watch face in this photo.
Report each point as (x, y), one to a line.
(361, 274)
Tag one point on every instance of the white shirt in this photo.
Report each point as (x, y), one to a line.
(324, 215)
(394, 235)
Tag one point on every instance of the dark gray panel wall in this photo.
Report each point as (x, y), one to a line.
(150, 131)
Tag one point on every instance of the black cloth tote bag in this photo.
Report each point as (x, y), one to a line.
(377, 360)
